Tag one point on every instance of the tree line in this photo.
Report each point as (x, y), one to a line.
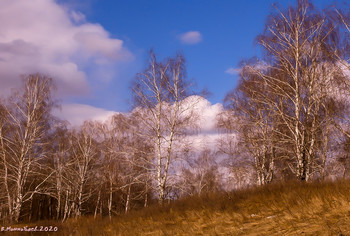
(288, 118)
(291, 106)
(50, 170)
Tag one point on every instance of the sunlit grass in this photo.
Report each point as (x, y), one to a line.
(282, 209)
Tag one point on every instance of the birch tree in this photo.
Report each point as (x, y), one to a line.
(118, 145)
(302, 43)
(298, 81)
(253, 125)
(60, 164)
(23, 140)
(159, 94)
(85, 156)
(200, 175)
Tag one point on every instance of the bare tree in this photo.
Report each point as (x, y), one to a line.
(60, 163)
(253, 124)
(23, 140)
(201, 174)
(291, 95)
(85, 156)
(159, 94)
(111, 135)
(117, 148)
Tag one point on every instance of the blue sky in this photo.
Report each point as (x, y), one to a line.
(94, 48)
(228, 29)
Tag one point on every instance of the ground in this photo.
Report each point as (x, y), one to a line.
(279, 209)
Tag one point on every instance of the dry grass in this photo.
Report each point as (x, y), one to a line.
(282, 209)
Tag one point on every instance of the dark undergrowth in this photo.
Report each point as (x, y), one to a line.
(291, 208)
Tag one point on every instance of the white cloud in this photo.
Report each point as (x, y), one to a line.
(191, 37)
(233, 71)
(76, 114)
(206, 119)
(206, 136)
(77, 17)
(42, 36)
(206, 113)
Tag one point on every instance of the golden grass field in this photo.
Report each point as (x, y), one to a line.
(280, 209)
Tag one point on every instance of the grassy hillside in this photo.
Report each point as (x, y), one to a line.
(283, 209)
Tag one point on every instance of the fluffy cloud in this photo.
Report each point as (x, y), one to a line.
(42, 36)
(206, 112)
(205, 115)
(76, 114)
(208, 134)
(233, 71)
(191, 37)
